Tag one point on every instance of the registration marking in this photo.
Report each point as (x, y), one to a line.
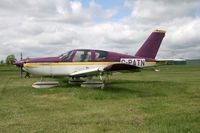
(133, 61)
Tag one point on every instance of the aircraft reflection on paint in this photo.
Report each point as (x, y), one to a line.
(88, 62)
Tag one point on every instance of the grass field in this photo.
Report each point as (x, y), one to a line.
(167, 101)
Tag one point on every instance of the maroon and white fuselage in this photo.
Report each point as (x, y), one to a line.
(84, 62)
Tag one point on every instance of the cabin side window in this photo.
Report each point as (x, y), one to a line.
(66, 56)
(82, 56)
(100, 55)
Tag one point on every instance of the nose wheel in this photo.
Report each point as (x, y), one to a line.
(45, 84)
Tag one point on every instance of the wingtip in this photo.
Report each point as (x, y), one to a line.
(159, 31)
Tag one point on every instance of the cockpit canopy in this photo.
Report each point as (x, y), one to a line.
(84, 55)
(100, 55)
(66, 56)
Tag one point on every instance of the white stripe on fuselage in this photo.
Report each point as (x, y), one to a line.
(65, 68)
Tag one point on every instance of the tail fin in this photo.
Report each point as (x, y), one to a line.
(150, 47)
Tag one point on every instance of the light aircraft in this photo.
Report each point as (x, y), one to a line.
(79, 63)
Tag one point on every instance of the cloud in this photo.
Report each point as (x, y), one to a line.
(98, 12)
(162, 10)
(41, 28)
(179, 18)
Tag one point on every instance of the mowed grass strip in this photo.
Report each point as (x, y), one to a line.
(148, 101)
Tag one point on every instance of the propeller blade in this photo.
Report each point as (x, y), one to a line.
(21, 67)
(21, 57)
(21, 71)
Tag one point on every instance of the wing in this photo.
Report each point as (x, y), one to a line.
(86, 72)
(121, 67)
(113, 67)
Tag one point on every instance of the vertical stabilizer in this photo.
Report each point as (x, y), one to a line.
(150, 47)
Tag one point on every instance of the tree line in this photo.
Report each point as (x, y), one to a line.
(10, 59)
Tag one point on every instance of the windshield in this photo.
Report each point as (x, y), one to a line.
(65, 56)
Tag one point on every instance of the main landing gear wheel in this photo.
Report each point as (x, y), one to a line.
(76, 81)
(93, 84)
(89, 83)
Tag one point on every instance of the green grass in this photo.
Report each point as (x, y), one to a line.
(167, 101)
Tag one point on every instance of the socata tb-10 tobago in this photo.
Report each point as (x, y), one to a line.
(79, 63)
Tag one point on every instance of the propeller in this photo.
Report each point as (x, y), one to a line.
(21, 66)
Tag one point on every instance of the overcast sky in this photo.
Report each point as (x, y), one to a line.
(51, 27)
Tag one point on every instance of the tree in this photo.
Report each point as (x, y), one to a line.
(10, 59)
(1, 62)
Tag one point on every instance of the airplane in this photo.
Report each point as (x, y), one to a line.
(86, 63)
